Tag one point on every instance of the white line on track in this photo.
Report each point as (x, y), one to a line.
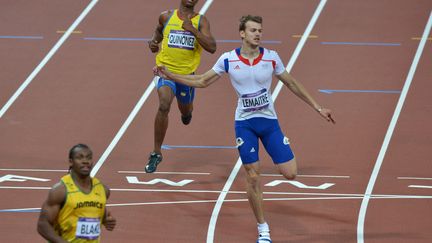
(379, 161)
(229, 182)
(132, 115)
(231, 200)
(301, 44)
(34, 170)
(390, 196)
(309, 176)
(47, 58)
(196, 173)
(420, 186)
(240, 192)
(208, 191)
(163, 172)
(205, 7)
(414, 178)
(26, 187)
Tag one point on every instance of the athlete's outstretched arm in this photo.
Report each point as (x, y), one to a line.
(197, 81)
(298, 89)
(49, 212)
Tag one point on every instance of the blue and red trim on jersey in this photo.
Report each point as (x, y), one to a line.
(246, 61)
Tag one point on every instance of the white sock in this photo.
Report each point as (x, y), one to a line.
(263, 227)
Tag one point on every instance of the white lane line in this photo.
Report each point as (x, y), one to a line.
(301, 43)
(34, 170)
(11, 210)
(159, 203)
(420, 186)
(228, 200)
(163, 172)
(229, 182)
(47, 58)
(26, 187)
(376, 196)
(215, 213)
(379, 161)
(205, 7)
(309, 176)
(206, 191)
(130, 118)
(122, 130)
(414, 178)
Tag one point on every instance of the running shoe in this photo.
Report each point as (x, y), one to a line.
(186, 119)
(153, 162)
(264, 237)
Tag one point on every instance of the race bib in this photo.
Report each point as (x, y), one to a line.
(181, 39)
(88, 228)
(255, 101)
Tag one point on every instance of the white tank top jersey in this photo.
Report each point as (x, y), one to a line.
(252, 81)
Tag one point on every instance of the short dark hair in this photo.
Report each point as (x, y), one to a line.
(81, 146)
(246, 18)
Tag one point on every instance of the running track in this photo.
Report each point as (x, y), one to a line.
(80, 71)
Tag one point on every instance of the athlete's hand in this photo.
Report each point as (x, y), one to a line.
(109, 222)
(187, 24)
(153, 45)
(161, 71)
(326, 113)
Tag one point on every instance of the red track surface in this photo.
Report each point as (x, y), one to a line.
(88, 89)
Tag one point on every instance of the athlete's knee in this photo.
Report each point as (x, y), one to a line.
(289, 169)
(253, 177)
(164, 107)
(290, 175)
(185, 109)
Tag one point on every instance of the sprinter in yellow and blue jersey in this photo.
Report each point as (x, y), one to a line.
(179, 38)
(76, 206)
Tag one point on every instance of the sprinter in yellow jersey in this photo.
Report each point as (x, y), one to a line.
(179, 38)
(75, 207)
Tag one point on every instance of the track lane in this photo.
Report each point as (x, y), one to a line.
(299, 216)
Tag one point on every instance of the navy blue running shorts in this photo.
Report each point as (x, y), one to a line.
(183, 93)
(268, 131)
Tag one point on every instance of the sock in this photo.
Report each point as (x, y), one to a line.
(263, 227)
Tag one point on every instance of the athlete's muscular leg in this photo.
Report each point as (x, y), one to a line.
(254, 191)
(288, 169)
(166, 97)
(185, 109)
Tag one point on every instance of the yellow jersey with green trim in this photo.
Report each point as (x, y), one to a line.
(180, 51)
(79, 219)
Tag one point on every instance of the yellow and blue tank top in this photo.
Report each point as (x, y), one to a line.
(81, 216)
(180, 51)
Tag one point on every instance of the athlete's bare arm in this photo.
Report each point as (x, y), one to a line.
(49, 212)
(158, 35)
(203, 36)
(108, 221)
(298, 89)
(197, 81)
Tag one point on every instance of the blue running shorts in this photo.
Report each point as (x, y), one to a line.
(183, 93)
(268, 131)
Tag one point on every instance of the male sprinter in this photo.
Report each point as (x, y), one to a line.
(75, 207)
(180, 36)
(251, 68)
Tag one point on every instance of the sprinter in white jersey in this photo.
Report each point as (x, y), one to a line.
(251, 69)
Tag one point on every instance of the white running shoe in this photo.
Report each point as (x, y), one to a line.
(264, 237)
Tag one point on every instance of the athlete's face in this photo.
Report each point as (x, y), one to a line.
(189, 3)
(82, 161)
(252, 33)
